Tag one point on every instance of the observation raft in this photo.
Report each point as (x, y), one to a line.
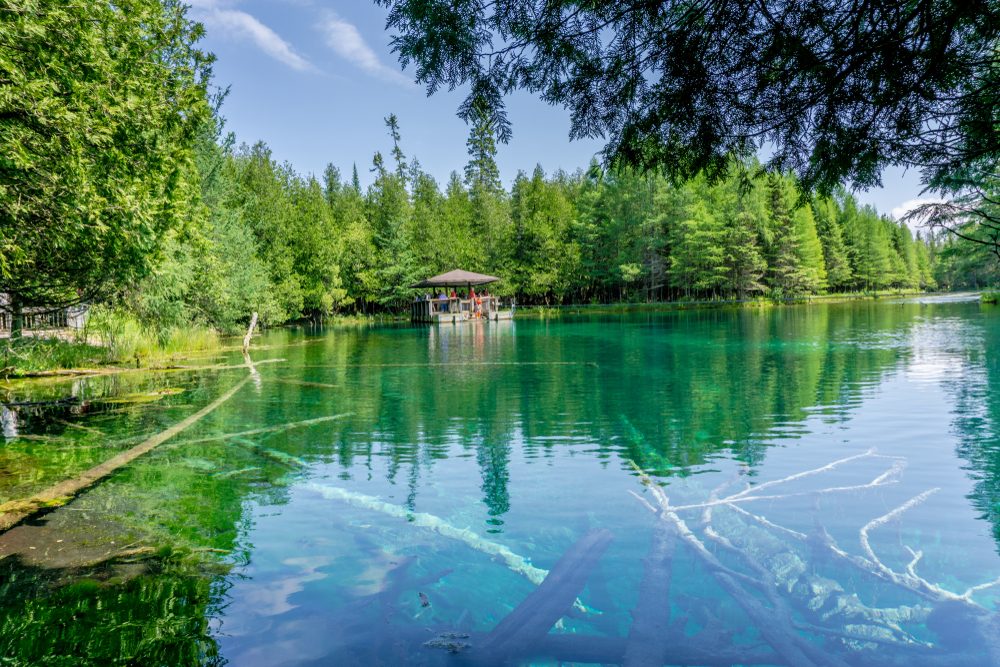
(445, 303)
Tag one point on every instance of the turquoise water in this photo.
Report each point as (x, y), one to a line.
(442, 472)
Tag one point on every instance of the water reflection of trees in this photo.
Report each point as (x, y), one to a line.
(666, 390)
(132, 570)
(129, 572)
(977, 416)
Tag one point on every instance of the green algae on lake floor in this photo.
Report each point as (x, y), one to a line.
(239, 540)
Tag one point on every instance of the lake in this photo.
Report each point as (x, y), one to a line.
(791, 485)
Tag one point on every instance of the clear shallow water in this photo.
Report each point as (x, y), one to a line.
(442, 471)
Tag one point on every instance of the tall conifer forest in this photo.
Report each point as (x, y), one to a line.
(293, 246)
(122, 186)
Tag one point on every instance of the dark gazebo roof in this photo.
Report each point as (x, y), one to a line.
(456, 278)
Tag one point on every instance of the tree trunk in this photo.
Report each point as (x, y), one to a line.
(16, 316)
(246, 339)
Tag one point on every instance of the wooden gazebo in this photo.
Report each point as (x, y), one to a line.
(439, 304)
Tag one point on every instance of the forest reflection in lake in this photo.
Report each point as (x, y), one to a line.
(391, 495)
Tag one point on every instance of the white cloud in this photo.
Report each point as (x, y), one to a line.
(239, 24)
(900, 211)
(343, 37)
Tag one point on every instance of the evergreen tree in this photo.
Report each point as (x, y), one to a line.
(810, 250)
(459, 248)
(426, 234)
(868, 246)
(787, 277)
(540, 215)
(100, 107)
(697, 259)
(316, 248)
(261, 197)
(908, 271)
(331, 184)
(835, 259)
(742, 256)
(355, 181)
(490, 215)
(924, 264)
(392, 123)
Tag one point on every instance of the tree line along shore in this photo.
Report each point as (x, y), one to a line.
(263, 238)
(122, 189)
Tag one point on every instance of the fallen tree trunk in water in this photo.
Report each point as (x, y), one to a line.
(278, 428)
(646, 645)
(513, 561)
(766, 565)
(92, 372)
(16, 511)
(773, 624)
(553, 598)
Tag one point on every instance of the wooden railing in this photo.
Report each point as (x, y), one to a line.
(37, 318)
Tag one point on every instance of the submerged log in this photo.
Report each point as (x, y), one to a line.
(278, 428)
(774, 625)
(683, 651)
(513, 561)
(785, 594)
(16, 511)
(648, 638)
(521, 629)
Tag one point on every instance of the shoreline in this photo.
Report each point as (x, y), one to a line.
(708, 304)
(88, 352)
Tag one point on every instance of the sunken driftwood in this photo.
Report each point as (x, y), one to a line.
(117, 370)
(513, 561)
(16, 511)
(768, 562)
(277, 428)
(651, 616)
(520, 630)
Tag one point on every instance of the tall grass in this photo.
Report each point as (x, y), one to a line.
(991, 297)
(110, 337)
(20, 356)
(127, 340)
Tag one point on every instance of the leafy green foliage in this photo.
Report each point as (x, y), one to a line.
(99, 104)
(118, 181)
(838, 89)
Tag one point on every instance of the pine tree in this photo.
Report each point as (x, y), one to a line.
(389, 210)
(481, 172)
(787, 277)
(742, 256)
(540, 214)
(810, 250)
(392, 123)
(490, 216)
(835, 259)
(426, 235)
(869, 246)
(458, 248)
(924, 264)
(355, 181)
(909, 271)
(697, 260)
(331, 184)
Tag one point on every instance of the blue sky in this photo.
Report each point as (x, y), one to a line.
(314, 79)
